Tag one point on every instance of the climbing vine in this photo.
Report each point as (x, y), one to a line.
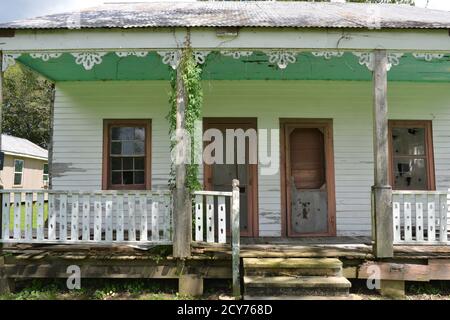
(191, 75)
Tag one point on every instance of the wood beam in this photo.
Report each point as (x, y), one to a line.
(182, 216)
(382, 224)
(50, 144)
(410, 40)
(1, 123)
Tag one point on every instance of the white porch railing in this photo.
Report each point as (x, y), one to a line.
(210, 214)
(104, 217)
(421, 217)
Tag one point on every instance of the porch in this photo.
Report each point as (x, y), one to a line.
(110, 133)
(129, 235)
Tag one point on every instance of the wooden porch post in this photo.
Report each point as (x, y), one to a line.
(182, 213)
(50, 145)
(382, 224)
(1, 130)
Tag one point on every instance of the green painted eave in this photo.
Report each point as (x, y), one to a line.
(254, 67)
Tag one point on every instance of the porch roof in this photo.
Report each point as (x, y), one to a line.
(242, 14)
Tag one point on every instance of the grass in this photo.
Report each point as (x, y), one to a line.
(98, 289)
(22, 216)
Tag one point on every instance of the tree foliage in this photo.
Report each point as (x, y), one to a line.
(26, 105)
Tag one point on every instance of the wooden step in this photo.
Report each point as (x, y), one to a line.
(292, 267)
(296, 286)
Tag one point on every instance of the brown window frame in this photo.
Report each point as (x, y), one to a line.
(427, 125)
(106, 175)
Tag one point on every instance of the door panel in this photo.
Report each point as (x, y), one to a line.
(218, 177)
(308, 179)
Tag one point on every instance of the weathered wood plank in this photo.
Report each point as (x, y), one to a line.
(63, 217)
(431, 222)
(98, 218)
(131, 217)
(86, 218)
(28, 216)
(210, 225)
(235, 238)
(397, 225)
(120, 218)
(408, 221)
(395, 271)
(198, 218)
(5, 215)
(109, 219)
(167, 218)
(155, 218)
(74, 219)
(144, 218)
(443, 218)
(51, 217)
(419, 221)
(439, 269)
(222, 223)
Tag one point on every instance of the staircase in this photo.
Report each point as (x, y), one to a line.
(294, 278)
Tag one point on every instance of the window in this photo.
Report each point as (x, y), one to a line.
(126, 159)
(411, 150)
(45, 174)
(18, 172)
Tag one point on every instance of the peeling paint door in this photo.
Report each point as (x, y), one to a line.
(309, 193)
(218, 177)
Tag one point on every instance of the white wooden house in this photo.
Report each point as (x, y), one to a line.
(357, 98)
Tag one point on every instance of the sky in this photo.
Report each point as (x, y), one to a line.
(20, 9)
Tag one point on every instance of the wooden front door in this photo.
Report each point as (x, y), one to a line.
(308, 178)
(218, 177)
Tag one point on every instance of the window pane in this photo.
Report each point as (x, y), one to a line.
(45, 177)
(116, 177)
(122, 133)
(128, 177)
(139, 148)
(45, 168)
(17, 179)
(408, 141)
(18, 165)
(116, 148)
(139, 164)
(139, 134)
(128, 148)
(116, 163)
(139, 177)
(410, 174)
(127, 163)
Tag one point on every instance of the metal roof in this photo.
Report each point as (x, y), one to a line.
(22, 147)
(241, 14)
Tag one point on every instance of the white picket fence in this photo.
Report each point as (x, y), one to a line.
(421, 217)
(104, 217)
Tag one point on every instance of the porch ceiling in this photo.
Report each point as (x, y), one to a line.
(257, 66)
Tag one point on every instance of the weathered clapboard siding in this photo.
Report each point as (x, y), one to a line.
(80, 108)
(79, 112)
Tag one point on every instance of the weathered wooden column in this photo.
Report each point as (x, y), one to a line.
(235, 239)
(50, 144)
(182, 212)
(1, 123)
(381, 191)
